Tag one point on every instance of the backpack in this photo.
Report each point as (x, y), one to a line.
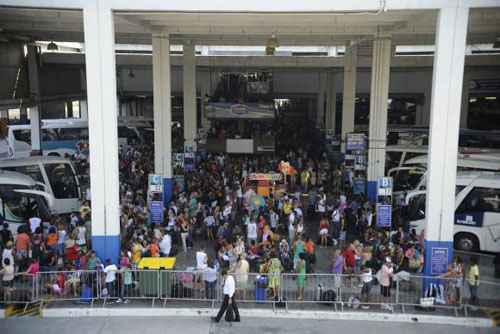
(329, 296)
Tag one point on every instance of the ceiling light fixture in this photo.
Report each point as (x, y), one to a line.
(52, 46)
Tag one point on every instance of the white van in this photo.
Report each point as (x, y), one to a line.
(56, 174)
(477, 215)
(22, 198)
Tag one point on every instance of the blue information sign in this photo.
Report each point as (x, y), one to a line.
(439, 260)
(384, 215)
(359, 186)
(156, 212)
(356, 142)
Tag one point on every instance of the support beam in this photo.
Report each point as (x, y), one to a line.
(189, 95)
(162, 111)
(331, 102)
(320, 106)
(103, 129)
(377, 132)
(35, 111)
(447, 82)
(349, 92)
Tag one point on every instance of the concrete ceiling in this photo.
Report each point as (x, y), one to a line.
(410, 27)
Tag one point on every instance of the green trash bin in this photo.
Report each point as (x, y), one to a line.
(149, 283)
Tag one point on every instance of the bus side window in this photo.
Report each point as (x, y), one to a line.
(32, 171)
(480, 200)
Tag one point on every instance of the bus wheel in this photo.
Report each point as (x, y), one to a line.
(466, 242)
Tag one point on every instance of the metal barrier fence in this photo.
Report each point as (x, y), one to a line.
(337, 291)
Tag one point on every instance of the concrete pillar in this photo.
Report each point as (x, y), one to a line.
(320, 111)
(464, 110)
(35, 110)
(162, 110)
(103, 137)
(377, 132)
(204, 92)
(84, 111)
(349, 92)
(331, 101)
(189, 95)
(446, 98)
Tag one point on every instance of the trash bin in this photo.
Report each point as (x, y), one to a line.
(260, 288)
(149, 283)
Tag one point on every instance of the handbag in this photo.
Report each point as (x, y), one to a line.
(229, 317)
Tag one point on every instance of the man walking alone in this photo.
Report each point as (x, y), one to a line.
(229, 289)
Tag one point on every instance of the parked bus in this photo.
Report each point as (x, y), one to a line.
(63, 137)
(412, 175)
(57, 138)
(22, 198)
(56, 174)
(477, 211)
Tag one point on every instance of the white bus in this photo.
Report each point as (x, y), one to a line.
(56, 174)
(57, 138)
(412, 175)
(63, 137)
(477, 215)
(22, 198)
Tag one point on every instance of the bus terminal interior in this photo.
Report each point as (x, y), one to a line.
(225, 77)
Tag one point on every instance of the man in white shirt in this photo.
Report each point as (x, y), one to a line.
(228, 290)
(165, 245)
(110, 270)
(201, 259)
(251, 231)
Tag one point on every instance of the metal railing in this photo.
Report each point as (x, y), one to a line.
(333, 290)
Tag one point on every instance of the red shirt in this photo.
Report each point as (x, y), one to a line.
(350, 260)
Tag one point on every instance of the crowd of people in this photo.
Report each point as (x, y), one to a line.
(231, 227)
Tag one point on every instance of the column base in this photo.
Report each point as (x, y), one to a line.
(168, 185)
(371, 191)
(107, 247)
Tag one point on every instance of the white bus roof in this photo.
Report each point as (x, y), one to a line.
(33, 161)
(53, 125)
(407, 148)
(463, 150)
(7, 177)
(486, 163)
(482, 179)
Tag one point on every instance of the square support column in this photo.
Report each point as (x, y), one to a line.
(377, 132)
(349, 93)
(447, 82)
(320, 107)
(162, 112)
(103, 129)
(331, 102)
(35, 95)
(189, 95)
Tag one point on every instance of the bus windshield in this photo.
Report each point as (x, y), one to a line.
(407, 179)
(18, 207)
(62, 180)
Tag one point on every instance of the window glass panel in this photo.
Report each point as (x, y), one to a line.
(62, 180)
